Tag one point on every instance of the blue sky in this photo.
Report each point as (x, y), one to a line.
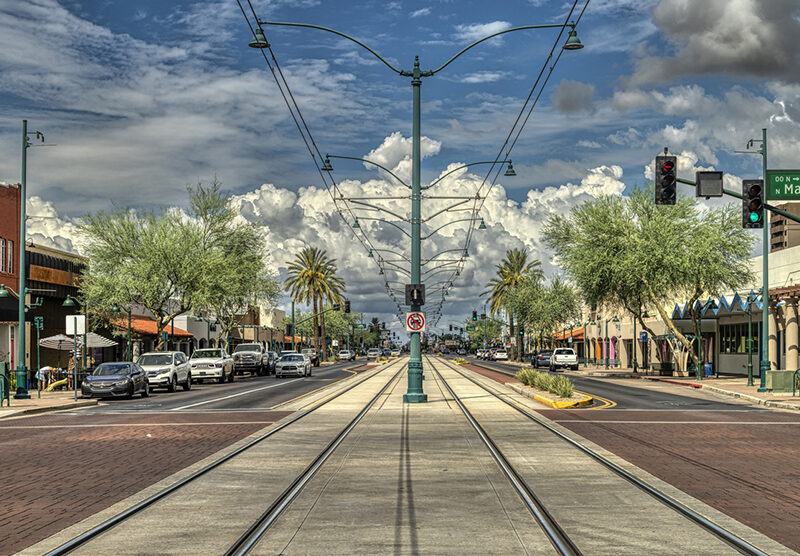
(144, 98)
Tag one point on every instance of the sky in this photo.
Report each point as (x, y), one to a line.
(143, 99)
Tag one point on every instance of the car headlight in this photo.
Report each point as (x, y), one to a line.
(219, 365)
(121, 382)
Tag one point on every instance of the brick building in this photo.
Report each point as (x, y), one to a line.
(9, 273)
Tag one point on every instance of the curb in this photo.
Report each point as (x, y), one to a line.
(45, 409)
(525, 391)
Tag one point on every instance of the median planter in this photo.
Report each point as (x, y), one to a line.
(556, 402)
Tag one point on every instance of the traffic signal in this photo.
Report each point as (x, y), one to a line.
(451, 328)
(288, 329)
(474, 315)
(346, 305)
(752, 204)
(483, 316)
(666, 178)
(521, 331)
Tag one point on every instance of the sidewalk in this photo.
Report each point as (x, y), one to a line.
(50, 401)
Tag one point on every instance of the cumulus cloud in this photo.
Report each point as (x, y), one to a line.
(572, 97)
(742, 38)
(474, 31)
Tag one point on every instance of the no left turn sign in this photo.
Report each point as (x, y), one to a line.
(415, 322)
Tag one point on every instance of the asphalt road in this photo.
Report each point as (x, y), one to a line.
(626, 393)
(246, 393)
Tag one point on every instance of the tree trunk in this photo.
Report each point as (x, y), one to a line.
(668, 321)
(324, 356)
(316, 325)
(511, 335)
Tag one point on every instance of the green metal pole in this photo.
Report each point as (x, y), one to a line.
(38, 365)
(85, 328)
(749, 344)
(699, 331)
(635, 363)
(22, 370)
(764, 342)
(75, 357)
(293, 346)
(414, 394)
(607, 344)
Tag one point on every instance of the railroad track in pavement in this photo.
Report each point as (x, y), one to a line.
(558, 538)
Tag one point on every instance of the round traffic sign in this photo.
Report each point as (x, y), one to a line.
(415, 322)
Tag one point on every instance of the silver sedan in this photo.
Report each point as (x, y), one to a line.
(293, 364)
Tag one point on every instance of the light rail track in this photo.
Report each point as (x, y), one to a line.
(734, 541)
(557, 536)
(86, 537)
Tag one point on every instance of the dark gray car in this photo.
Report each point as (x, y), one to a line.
(116, 380)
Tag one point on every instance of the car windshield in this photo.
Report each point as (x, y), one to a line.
(207, 353)
(545, 353)
(156, 359)
(308, 351)
(111, 369)
(564, 352)
(247, 347)
(292, 358)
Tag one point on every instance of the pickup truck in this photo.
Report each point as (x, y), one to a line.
(563, 357)
(251, 358)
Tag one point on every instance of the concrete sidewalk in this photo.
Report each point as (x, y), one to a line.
(49, 401)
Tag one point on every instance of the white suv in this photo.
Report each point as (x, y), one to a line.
(373, 353)
(166, 368)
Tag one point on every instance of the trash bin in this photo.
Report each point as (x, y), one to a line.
(707, 371)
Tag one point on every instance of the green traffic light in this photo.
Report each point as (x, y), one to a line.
(755, 217)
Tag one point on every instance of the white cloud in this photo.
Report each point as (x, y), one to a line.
(420, 13)
(574, 97)
(484, 77)
(474, 31)
(589, 144)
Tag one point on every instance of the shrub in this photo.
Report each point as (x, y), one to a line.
(563, 387)
(525, 376)
(543, 381)
(460, 361)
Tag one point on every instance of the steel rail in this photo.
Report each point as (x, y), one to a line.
(256, 531)
(736, 542)
(557, 536)
(112, 522)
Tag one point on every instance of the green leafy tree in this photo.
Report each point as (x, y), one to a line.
(511, 272)
(482, 330)
(628, 252)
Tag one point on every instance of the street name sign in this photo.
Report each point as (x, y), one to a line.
(415, 322)
(783, 185)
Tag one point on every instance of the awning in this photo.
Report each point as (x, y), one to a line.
(576, 334)
(146, 326)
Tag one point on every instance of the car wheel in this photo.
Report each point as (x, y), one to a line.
(146, 391)
(309, 371)
(222, 377)
(230, 376)
(131, 390)
(188, 384)
(173, 383)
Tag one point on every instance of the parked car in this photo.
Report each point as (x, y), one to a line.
(115, 380)
(373, 353)
(346, 355)
(479, 353)
(562, 358)
(542, 358)
(251, 358)
(462, 352)
(167, 368)
(499, 355)
(395, 352)
(312, 354)
(213, 363)
(295, 364)
(272, 360)
(387, 352)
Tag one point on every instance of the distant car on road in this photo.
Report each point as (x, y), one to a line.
(211, 363)
(167, 368)
(462, 351)
(293, 364)
(500, 355)
(114, 380)
(373, 353)
(346, 355)
(542, 358)
(563, 358)
(395, 352)
(312, 354)
(272, 360)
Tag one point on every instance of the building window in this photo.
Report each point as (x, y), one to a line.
(10, 258)
(733, 338)
(2, 255)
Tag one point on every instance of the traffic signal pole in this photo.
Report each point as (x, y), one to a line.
(764, 343)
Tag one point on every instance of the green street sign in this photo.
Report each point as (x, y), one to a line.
(783, 185)
(361, 326)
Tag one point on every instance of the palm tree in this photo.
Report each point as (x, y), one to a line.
(312, 279)
(511, 272)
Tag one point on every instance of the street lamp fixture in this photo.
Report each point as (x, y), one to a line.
(573, 42)
(510, 170)
(326, 165)
(482, 225)
(259, 40)
(356, 225)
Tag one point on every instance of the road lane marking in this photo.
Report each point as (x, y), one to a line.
(606, 421)
(96, 425)
(317, 389)
(234, 395)
(608, 403)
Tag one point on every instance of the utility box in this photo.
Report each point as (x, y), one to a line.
(779, 381)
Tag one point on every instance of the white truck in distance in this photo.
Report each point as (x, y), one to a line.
(563, 357)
